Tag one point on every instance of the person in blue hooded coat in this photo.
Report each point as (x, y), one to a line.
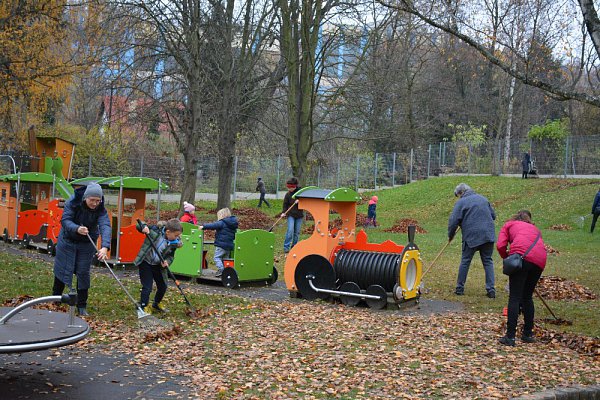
(225, 228)
(84, 214)
(474, 214)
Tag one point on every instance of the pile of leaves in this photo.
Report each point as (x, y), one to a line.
(15, 301)
(251, 218)
(401, 226)
(581, 344)
(560, 227)
(557, 288)
(335, 224)
(551, 250)
(161, 334)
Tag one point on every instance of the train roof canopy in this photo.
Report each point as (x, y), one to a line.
(37, 177)
(132, 182)
(340, 194)
(87, 180)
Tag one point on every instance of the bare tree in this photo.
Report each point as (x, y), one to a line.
(212, 56)
(520, 71)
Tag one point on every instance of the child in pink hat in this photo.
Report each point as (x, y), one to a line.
(189, 213)
(372, 212)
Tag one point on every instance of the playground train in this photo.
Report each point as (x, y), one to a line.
(330, 262)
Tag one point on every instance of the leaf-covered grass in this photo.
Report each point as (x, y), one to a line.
(253, 349)
(551, 202)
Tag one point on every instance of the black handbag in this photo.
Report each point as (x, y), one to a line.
(514, 262)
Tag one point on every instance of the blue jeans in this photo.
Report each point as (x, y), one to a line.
(293, 232)
(220, 254)
(486, 251)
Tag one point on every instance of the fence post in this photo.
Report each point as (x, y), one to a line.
(428, 161)
(89, 165)
(499, 158)
(277, 183)
(142, 165)
(469, 159)
(319, 175)
(411, 166)
(440, 158)
(394, 171)
(337, 178)
(566, 163)
(357, 172)
(375, 172)
(235, 162)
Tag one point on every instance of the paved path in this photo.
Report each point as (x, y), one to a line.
(77, 374)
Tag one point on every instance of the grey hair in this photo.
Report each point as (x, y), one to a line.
(460, 189)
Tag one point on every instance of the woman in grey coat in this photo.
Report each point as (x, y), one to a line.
(475, 216)
(84, 214)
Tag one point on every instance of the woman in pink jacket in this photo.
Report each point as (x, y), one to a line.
(521, 233)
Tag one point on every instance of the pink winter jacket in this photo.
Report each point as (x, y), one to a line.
(520, 235)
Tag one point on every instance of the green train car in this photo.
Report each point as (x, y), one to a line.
(250, 261)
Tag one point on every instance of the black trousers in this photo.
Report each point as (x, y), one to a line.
(82, 294)
(522, 285)
(594, 219)
(262, 198)
(524, 175)
(149, 273)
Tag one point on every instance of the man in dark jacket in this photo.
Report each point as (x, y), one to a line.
(260, 187)
(595, 210)
(83, 214)
(294, 215)
(475, 216)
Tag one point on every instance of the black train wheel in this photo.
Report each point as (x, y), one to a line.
(25, 241)
(5, 235)
(317, 269)
(51, 248)
(273, 278)
(229, 278)
(381, 302)
(350, 287)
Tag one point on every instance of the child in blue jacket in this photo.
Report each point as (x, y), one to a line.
(225, 228)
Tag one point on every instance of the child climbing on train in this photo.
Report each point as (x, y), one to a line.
(372, 212)
(151, 268)
(189, 213)
(225, 228)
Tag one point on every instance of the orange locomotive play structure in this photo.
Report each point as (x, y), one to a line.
(28, 207)
(341, 262)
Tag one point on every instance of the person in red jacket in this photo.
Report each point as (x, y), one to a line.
(520, 233)
(189, 213)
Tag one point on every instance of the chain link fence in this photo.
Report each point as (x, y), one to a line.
(570, 157)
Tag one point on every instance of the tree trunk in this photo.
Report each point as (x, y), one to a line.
(509, 118)
(188, 190)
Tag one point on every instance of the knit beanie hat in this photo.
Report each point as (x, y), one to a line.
(373, 200)
(187, 207)
(92, 190)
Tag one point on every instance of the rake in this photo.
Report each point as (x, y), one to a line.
(144, 318)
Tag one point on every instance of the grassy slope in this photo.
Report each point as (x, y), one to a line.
(551, 202)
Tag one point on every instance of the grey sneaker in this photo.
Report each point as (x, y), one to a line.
(82, 312)
(218, 274)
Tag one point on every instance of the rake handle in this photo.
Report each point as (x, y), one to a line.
(439, 254)
(115, 276)
(544, 301)
(282, 214)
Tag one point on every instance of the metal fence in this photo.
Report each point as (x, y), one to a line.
(573, 156)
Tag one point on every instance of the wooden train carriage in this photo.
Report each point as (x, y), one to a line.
(31, 218)
(250, 261)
